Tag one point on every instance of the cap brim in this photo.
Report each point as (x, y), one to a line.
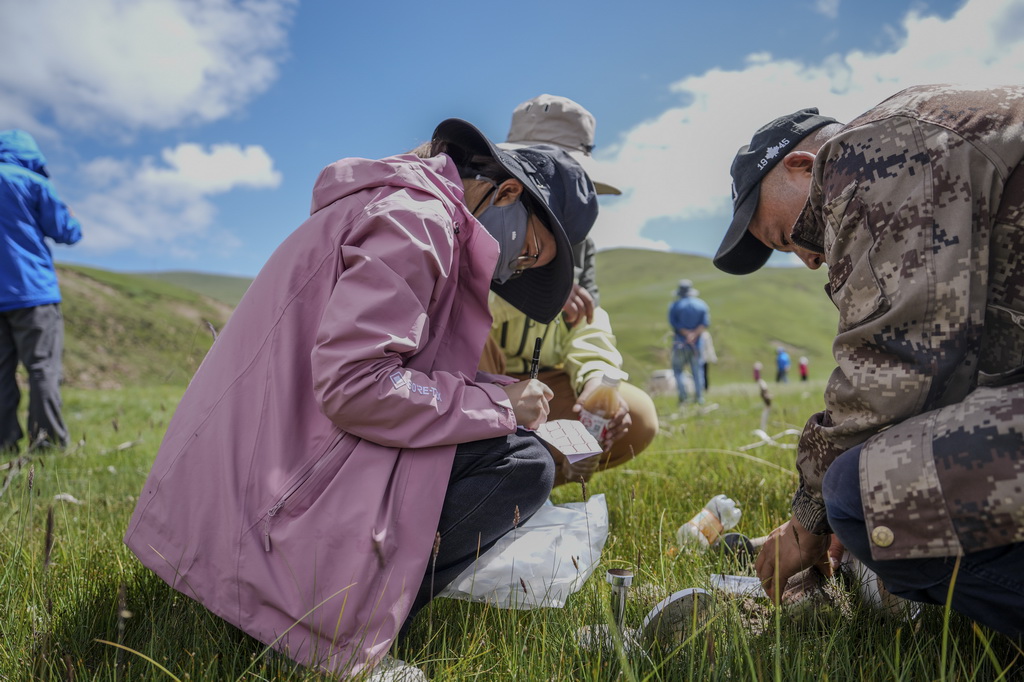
(541, 292)
(741, 253)
(583, 159)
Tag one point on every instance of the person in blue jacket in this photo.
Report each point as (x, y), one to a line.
(31, 325)
(689, 317)
(781, 365)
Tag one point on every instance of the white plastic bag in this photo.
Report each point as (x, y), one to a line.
(538, 556)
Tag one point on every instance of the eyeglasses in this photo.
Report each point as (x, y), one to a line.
(521, 264)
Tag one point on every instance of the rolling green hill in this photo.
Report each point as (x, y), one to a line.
(128, 330)
(223, 288)
(153, 328)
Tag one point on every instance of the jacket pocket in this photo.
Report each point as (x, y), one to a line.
(852, 283)
(300, 488)
(856, 293)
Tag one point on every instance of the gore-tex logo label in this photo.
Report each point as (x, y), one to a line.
(772, 152)
(399, 380)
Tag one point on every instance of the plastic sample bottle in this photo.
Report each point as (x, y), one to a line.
(718, 515)
(601, 406)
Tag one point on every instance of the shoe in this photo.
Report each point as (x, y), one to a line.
(675, 618)
(736, 547)
(391, 669)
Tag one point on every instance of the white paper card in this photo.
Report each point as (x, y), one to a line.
(571, 438)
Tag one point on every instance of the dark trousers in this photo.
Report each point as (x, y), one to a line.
(490, 480)
(989, 586)
(34, 337)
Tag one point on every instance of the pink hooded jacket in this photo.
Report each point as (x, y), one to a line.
(298, 488)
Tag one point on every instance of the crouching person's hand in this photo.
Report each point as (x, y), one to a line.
(529, 402)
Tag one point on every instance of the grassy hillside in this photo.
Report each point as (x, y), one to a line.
(151, 328)
(223, 288)
(124, 329)
(750, 315)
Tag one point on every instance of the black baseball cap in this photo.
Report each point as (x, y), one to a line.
(741, 252)
(562, 189)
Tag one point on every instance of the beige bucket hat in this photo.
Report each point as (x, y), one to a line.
(558, 121)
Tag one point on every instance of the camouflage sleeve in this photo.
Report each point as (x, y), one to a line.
(892, 202)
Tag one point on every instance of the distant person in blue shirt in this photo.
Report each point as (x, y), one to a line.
(31, 325)
(781, 365)
(689, 317)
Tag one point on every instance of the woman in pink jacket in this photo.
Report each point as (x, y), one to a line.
(338, 424)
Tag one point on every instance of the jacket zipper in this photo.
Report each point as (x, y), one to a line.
(292, 490)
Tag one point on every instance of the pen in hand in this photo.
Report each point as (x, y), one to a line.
(535, 365)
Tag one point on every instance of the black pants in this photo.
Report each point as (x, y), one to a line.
(34, 337)
(490, 480)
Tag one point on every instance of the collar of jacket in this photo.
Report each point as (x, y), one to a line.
(808, 231)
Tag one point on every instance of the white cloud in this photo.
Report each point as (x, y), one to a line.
(116, 67)
(226, 166)
(139, 64)
(675, 167)
(828, 8)
(151, 206)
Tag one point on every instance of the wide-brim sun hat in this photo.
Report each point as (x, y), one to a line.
(587, 162)
(565, 195)
(564, 123)
(685, 288)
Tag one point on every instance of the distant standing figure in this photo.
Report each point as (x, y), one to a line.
(31, 325)
(781, 365)
(689, 317)
(803, 368)
(710, 357)
(757, 371)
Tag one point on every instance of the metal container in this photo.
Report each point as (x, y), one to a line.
(620, 579)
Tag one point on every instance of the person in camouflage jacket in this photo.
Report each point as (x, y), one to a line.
(917, 208)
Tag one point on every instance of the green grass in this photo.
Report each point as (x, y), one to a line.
(58, 615)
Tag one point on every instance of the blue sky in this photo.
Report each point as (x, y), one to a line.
(186, 134)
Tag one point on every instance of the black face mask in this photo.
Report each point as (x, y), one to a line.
(507, 224)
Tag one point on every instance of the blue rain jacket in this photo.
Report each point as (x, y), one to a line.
(30, 211)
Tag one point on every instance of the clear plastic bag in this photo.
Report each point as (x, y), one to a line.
(532, 566)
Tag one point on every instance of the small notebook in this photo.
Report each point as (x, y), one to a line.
(571, 438)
